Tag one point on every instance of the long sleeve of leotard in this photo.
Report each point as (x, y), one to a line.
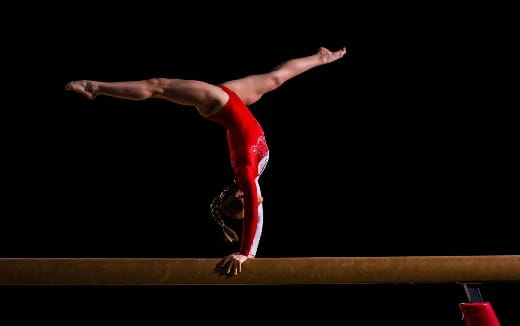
(253, 216)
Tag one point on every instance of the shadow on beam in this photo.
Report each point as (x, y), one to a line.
(260, 271)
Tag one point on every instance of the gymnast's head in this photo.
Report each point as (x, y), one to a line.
(228, 204)
(231, 200)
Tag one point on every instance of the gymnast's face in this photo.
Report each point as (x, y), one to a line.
(233, 205)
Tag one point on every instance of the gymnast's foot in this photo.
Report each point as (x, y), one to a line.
(84, 87)
(328, 56)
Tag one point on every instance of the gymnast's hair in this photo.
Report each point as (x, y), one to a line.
(217, 209)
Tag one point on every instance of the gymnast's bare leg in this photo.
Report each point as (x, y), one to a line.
(205, 97)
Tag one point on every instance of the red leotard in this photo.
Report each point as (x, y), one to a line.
(249, 154)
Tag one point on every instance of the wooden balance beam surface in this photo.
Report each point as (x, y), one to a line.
(260, 271)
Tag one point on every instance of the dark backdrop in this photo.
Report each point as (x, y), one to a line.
(376, 154)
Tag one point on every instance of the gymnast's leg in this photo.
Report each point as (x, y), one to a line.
(207, 98)
(251, 88)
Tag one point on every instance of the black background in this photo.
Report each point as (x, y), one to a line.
(386, 152)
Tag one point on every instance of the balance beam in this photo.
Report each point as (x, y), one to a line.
(260, 271)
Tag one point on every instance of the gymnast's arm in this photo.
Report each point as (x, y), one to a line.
(252, 223)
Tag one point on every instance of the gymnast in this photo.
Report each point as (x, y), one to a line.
(227, 104)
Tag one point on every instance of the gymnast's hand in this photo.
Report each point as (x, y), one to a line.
(232, 264)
